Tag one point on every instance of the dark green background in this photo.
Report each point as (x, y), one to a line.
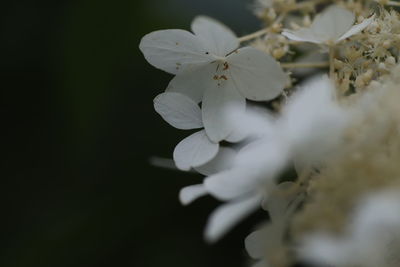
(78, 129)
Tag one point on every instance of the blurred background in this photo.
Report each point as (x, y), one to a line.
(79, 129)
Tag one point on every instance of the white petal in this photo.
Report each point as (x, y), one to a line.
(256, 74)
(333, 22)
(231, 183)
(264, 159)
(163, 162)
(194, 151)
(256, 122)
(278, 201)
(312, 121)
(217, 102)
(258, 242)
(189, 194)
(266, 243)
(321, 249)
(193, 83)
(178, 110)
(357, 28)
(174, 51)
(255, 244)
(329, 25)
(227, 216)
(302, 35)
(221, 162)
(218, 38)
(235, 136)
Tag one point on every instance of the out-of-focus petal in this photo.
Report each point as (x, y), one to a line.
(254, 123)
(255, 243)
(221, 162)
(313, 117)
(190, 193)
(231, 184)
(228, 215)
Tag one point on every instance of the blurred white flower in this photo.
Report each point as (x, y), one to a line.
(309, 128)
(267, 245)
(210, 68)
(183, 113)
(333, 25)
(372, 239)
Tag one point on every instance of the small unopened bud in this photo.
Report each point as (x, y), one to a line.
(390, 60)
(276, 27)
(387, 44)
(381, 66)
(281, 38)
(359, 82)
(374, 84)
(367, 76)
(337, 63)
(360, 19)
(278, 53)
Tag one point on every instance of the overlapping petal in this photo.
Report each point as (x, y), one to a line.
(190, 193)
(217, 102)
(195, 150)
(222, 161)
(256, 74)
(174, 51)
(228, 215)
(219, 39)
(231, 184)
(178, 110)
(193, 83)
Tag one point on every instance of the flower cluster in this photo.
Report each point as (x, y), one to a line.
(261, 107)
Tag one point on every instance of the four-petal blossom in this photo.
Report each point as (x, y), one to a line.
(210, 67)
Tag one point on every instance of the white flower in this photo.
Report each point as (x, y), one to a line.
(267, 244)
(309, 128)
(333, 25)
(183, 113)
(372, 239)
(210, 68)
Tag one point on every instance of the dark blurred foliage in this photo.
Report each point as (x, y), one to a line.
(78, 130)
